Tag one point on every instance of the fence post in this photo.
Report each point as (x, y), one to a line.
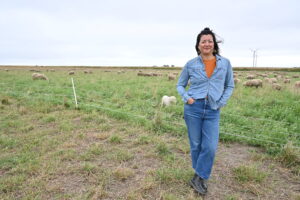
(76, 105)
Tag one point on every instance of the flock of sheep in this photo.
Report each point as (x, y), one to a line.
(171, 76)
(253, 80)
(39, 76)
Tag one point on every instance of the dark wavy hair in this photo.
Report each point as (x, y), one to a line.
(207, 31)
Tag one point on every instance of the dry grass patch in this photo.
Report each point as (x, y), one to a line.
(290, 157)
(123, 173)
(101, 136)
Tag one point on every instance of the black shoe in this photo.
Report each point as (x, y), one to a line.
(199, 184)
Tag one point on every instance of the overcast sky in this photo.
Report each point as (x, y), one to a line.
(147, 33)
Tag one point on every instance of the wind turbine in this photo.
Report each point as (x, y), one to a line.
(254, 56)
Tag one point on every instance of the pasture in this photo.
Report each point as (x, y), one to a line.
(120, 143)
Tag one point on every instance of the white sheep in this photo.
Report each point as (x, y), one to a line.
(166, 100)
(250, 76)
(236, 80)
(37, 76)
(272, 80)
(297, 84)
(171, 77)
(276, 86)
(253, 83)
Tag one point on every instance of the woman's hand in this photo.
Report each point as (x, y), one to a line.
(191, 101)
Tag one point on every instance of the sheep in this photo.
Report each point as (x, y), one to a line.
(37, 76)
(236, 80)
(250, 76)
(166, 100)
(286, 80)
(276, 86)
(87, 71)
(156, 74)
(297, 84)
(71, 72)
(144, 74)
(253, 83)
(295, 76)
(272, 80)
(171, 77)
(264, 75)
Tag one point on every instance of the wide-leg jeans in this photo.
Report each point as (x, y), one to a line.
(203, 131)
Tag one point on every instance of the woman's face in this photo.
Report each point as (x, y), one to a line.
(206, 45)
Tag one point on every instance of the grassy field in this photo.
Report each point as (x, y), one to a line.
(121, 144)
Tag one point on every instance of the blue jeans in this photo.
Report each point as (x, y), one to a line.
(203, 130)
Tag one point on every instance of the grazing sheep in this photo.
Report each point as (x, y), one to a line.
(236, 80)
(37, 76)
(156, 74)
(253, 83)
(276, 86)
(166, 100)
(297, 84)
(272, 80)
(71, 72)
(295, 76)
(144, 74)
(286, 80)
(250, 76)
(171, 77)
(264, 75)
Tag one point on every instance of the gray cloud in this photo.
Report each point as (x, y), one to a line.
(146, 32)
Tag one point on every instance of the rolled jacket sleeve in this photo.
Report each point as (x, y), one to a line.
(182, 83)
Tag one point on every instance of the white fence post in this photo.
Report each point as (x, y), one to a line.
(76, 105)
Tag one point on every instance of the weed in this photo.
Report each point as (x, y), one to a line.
(249, 174)
(121, 155)
(143, 140)
(123, 173)
(289, 156)
(162, 149)
(115, 139)
(169, 176)
(89, 168)
(5, 101)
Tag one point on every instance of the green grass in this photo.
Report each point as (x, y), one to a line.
(262, 117)
(249, 174)
(45, 141)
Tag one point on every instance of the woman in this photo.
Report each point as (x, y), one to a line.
(211, 85)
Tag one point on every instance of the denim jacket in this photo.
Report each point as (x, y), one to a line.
(218, 88)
